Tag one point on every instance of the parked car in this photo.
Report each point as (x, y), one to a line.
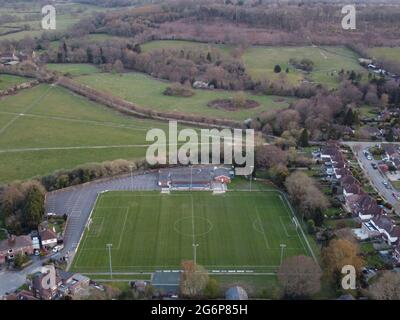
(374, 165)
(386, 184)
(58, 248)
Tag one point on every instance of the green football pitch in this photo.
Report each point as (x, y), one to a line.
(233, 232)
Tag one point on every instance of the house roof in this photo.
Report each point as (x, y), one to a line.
(384, 222)
(48, 234)
(348, 179)
(390, 149)
(15, 243)
(353, 188)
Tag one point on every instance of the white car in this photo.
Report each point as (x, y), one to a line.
(51, 214)
(58, 248)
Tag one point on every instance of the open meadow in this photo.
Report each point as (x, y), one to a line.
(147, 92)
(48, 128)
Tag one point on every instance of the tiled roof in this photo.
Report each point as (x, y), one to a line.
(16, 243)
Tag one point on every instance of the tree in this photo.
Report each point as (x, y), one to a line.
(300, 277)
(118, 67)
(212, 289)
(194, 279)
(303, 139)
(239, 100)
(306, 196)
(311, 226)
(277, 68)
(278, 174)
(270, 155)
(338, 254)
(387, 287)
(19, 260)
(349, 118)
(34, 207)
(389, 135)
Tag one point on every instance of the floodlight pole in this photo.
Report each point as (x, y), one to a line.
(109, 246)
(195, 245)
(283, 246)
(251, 176)
(131, 167)
(191, 177)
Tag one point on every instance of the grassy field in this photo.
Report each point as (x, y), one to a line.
(48, 128)
(182, 44)
(73, 69)
(67, 15)
(148, 92)
(328, 61)
(8, 81)
(151, 231)
(392, 54)
(260, 61)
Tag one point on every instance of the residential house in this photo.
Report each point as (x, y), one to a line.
(363, 206)
(48, 238)
(72, 283)
(396, 254)
(350, 186)
(371, 132)
(15, 245)
(389, 231)
(391, 151)
(45, 283)
(22, 295)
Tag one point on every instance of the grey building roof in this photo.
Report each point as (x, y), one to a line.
(236, 293)
(168, 282)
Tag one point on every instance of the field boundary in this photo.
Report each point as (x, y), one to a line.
(213, 269)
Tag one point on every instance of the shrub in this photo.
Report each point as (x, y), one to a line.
(178, 90)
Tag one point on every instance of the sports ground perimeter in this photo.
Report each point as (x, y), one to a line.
(235, 232)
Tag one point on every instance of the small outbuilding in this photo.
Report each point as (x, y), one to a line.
(236, 293)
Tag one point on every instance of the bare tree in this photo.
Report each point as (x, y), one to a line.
(300, 277)
(387, 287)
(194, 279)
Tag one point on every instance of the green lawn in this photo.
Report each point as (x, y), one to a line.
(182, 44)
(40, 127)
(73, 69)
(392, 54)
(148, 92)
(67, 15)
(328, 61)
(151, 231)
(8, 81)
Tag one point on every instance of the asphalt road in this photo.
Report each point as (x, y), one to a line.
(376, 176)
(77, 202)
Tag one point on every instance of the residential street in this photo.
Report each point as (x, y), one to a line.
(375, 176)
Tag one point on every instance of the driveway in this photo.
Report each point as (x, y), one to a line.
(375, 176)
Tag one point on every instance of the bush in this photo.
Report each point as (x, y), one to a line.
(311, 226)
(212, 289)
(277, 68)
(178, 90)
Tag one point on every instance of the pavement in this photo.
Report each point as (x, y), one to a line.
(375, 176)
(77, 203)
